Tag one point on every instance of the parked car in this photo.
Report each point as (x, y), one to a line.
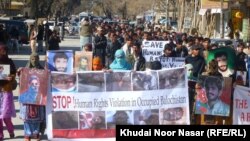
(50, 23)
(223, 42)
(21, 26)
(174, 25)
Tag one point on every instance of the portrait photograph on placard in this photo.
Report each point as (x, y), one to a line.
(4, 71)
(114, 118)
(60, 60)
(63, 82)
(226, 60)
(146, 117)
(92, 120)
(83, 61)
(90, 82)
(173, 116)
(142, 81)
(65, 120)
(213, 95)
(33, 86)
(169, 79)
(119, 81)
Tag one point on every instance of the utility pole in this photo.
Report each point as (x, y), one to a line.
(221, 20)
(167, 12)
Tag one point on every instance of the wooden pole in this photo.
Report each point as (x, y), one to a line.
(222, 20)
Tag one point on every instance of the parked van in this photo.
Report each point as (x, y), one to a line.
(21, 26)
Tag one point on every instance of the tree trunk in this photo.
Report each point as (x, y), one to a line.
(181, 15)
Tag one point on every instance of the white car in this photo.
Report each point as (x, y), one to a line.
(50, 23)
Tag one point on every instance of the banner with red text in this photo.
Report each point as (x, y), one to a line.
(104, 100)
(241, 109)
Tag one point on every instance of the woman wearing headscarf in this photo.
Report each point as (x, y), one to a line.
(34, 62)
(120, 62)
(7, 107)
(36, 124)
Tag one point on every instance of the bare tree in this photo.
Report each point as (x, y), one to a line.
(123, 10)
(40, 8)
(5, 6)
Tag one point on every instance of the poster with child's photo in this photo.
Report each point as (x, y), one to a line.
(60, 60)
(4, 71)
(33, 86)
(83, 61)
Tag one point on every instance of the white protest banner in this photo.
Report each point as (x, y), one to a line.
(241, 109)
(152, 50)
(172, 62)
(124, 97)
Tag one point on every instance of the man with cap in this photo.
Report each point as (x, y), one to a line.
(196, 60)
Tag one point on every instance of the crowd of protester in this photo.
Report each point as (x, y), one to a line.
(117, 47)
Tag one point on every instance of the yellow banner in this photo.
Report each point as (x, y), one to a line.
(208, 4)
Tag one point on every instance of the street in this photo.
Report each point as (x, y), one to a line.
(20, 59)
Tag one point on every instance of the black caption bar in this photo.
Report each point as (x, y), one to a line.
(196, 132)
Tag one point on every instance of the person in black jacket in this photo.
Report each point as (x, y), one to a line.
(100, 44)
(196, 60)
(169, 51)
(54, 41)
(241, 58)
(139, 62)
(40, 38)
(112, 48)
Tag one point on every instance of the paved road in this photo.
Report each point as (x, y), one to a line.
(20, 60)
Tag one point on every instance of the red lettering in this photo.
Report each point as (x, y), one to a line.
(54, 102)
(58, 100)
(68, 100)
(61, 101)
(242, 117)
(241, 104)
(245, 117)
